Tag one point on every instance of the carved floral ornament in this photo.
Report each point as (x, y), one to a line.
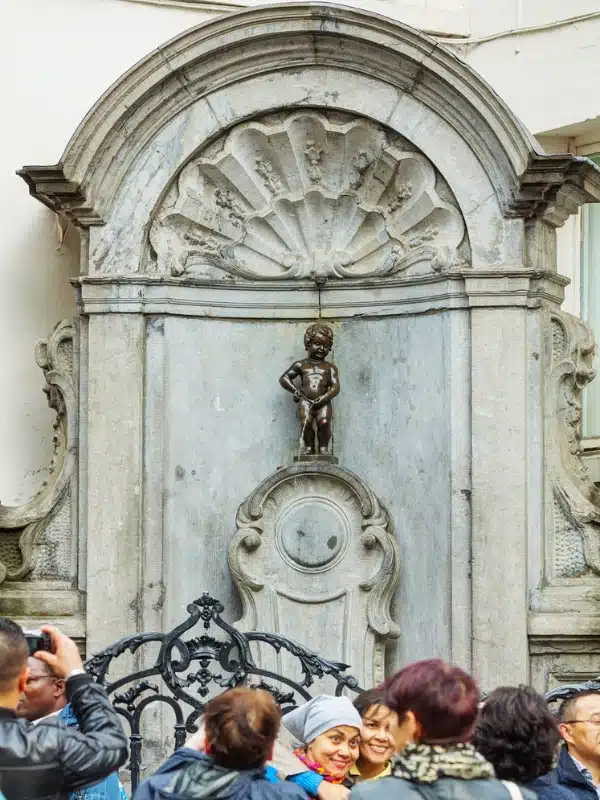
(21, 526)
(305, 195)
(576, 498)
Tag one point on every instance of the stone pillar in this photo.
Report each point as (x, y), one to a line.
(113, 463)
(505, 448)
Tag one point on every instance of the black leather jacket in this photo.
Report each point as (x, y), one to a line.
(47, 761)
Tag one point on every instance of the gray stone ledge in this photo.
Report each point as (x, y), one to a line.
(143, 294)
(42, 603)
(563, 643)
(563, 624)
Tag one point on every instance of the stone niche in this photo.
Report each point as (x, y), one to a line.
(299, 162)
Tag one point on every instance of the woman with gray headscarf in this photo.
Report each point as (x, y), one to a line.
(328, 729)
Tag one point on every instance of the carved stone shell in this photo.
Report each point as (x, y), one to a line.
(304, 195)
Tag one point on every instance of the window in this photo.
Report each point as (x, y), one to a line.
(590, 304)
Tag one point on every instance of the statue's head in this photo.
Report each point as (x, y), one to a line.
(318, 340)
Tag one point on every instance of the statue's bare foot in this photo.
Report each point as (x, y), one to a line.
(324, 451)
(308, 451)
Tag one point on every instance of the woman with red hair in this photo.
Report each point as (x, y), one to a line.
(436, 705)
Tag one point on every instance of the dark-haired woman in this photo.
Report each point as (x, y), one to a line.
(240, 728)
(377, 737)
(518, 734)
(436, 705)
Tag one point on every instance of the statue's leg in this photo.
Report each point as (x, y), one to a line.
(324, 427)
(307, 433)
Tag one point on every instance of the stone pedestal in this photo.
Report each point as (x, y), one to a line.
(320, 458)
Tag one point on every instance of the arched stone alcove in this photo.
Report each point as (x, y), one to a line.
(303, 161)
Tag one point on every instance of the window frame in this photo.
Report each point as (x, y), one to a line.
(590, 445)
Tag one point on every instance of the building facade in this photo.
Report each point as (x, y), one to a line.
(476, 454)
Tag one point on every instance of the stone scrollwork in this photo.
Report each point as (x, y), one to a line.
(313, 540)
(382, 584)
(571, 354)
(21, 526)
(307, 196)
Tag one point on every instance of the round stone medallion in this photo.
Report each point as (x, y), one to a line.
(312, 533)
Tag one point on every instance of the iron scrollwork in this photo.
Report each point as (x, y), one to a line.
(568, 690)
(194, 670)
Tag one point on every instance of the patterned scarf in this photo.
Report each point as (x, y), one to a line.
(426, 763)
(314, 767)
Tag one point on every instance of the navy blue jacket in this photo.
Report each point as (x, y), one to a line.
(569, 776)
(213, 782)
(547, 787)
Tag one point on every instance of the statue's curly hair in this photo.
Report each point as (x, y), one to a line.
(517, 733)
(314, 330)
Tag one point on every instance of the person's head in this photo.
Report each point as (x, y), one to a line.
(13, 663)
(517, 733)
(43, 694)
(436, 703)
(329, 728)
(379, 728)
(241, 726)
(318, 340)
(580, 726)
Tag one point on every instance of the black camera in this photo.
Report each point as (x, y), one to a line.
(36, 640)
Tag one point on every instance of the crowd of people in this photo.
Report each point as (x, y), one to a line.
(425, 734)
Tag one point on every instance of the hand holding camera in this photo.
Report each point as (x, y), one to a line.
(54, 648)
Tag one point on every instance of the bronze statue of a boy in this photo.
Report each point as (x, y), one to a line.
(319, 384)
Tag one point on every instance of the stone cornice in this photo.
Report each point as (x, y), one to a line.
(51, 186)
(554, 186)
(144, 294)
(273, 39)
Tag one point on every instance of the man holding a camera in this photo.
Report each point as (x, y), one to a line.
(48, 761)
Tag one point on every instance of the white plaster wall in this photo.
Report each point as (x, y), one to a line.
(548, 76)
(435, 16)
(487, 18)
(58, 56)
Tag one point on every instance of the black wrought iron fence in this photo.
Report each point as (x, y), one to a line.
(192, 670)
(567, 690)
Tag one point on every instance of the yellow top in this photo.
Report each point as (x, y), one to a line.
(355, 775)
